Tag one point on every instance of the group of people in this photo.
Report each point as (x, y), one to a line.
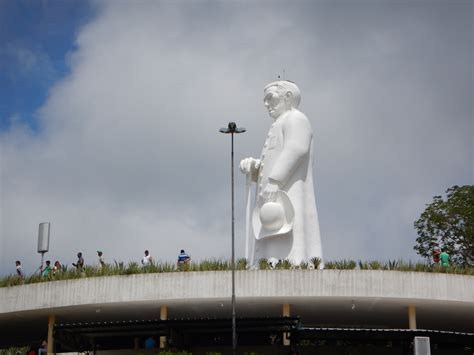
(38, 350)
(47, 270)
(183, 259)
(440, 257)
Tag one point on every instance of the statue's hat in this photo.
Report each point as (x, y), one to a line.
(273, 218)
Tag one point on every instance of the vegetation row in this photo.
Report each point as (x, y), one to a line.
(132, 268)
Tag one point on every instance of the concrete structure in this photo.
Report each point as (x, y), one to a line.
(330, 298)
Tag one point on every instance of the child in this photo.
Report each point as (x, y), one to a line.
(19, 271)
(101, 259)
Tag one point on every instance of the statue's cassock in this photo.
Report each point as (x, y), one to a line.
(286, 165)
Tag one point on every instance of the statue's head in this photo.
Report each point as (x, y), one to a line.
(281, 96)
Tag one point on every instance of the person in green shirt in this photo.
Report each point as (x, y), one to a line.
(444, 258)
(47, 269)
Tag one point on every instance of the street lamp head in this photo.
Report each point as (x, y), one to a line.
(232, 128)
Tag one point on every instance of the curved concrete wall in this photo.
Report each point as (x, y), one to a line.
(289, 285)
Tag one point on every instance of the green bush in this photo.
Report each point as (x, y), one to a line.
(14, 351)
(242, 264)
(330, 265)
(316, 262)
(263, 264)
(304, 265)
(392, 265)
(284, 265)
(375, 265)
(345, 264)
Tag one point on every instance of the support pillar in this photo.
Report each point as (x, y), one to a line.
(51, 321)
(163, 316)
(286, 313)
(136, 343)
(411, 317)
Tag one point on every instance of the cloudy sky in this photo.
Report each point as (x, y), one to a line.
(110, 110)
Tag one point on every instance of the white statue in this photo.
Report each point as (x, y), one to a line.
(284, 221)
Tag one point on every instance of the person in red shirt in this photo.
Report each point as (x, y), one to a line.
(436, 253)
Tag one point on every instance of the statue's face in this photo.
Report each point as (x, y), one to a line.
(275, 102)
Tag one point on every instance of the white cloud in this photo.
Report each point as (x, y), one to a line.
(129, 156)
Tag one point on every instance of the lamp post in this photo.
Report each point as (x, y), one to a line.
(232, 129)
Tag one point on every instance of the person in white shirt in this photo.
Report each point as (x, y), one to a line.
(19, 271)
(101, 259)
(147, 259)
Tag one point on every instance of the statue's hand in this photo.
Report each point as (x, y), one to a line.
(249, 165)
(269, 192)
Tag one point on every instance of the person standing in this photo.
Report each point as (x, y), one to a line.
(150, 343)
(147, 259)
(436, 254)
(19, 271)
(80, 262)
(44, 348)
(444, 258)
(101, 259)
(56, 267)
(47, 269)
(183, 258)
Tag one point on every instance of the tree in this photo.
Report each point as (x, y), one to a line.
(449, 224)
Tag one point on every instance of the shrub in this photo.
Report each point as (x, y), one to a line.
(330, 265)
(345, 264)
(392, 265)
(284, 265)
(14, 351)
(304, 265)
(263, 264)
(316, 262)
(242, 264)
(375, 265)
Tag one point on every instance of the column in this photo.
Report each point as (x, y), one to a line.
(286, 313)
(51, 321)
(411, 316)
(163, 316)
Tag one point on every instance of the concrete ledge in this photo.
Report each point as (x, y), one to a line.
(290, 285)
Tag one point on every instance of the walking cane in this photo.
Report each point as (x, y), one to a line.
(249, 239)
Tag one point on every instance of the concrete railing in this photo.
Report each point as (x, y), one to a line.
(269, 284)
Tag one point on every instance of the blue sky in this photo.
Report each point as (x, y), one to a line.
(123, 101)
(35, 38)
